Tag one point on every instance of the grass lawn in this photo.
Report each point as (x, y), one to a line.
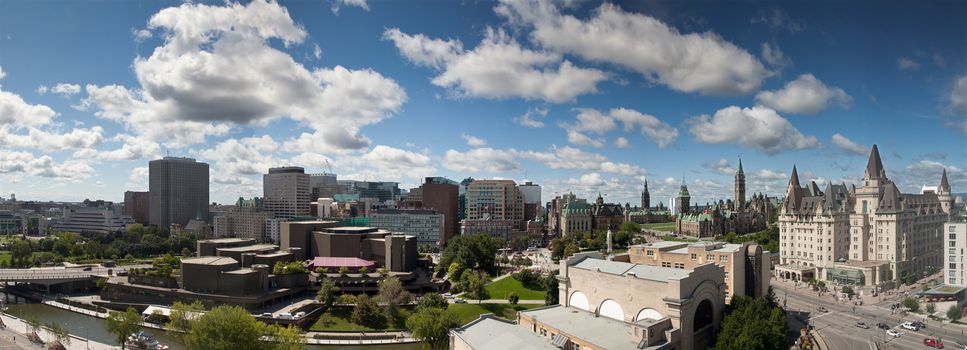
(469, 312)
(338, 319)
(502, 288)
(661, 226)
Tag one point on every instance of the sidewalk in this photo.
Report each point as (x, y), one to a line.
(17, 328)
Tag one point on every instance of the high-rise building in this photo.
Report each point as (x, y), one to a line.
(954, 245)
(323, 185)
(285, 192)
(381, 191)
(872, 235)
(532, 200)
(136, 206)
(245, 219)
(178, 191)
(495, 199)
(441, 194)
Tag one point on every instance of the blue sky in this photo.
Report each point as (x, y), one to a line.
(578, 96)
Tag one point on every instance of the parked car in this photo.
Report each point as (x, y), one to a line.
(862, 325)
(919, 324)
(87, 268)
(266, 314)
(821, 309)
(882, 325)
(909, 325)
(893, 333)
(285, 316)
(300, 314)
(460, 301)
(933, 343)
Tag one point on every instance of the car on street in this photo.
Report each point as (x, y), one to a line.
(460, 301)
(893, 333)
(266, 314)
(919, 324)
(821, 309)
(933, 343)
(882, 325)
(909, 325)
(862, 325)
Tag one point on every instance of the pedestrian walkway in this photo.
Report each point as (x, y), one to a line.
(359, 338)
(17, 328)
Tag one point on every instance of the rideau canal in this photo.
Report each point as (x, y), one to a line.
(94, 328)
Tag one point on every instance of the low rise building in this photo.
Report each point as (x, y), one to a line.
(425, 224)
(747, 266)
(496, 228)
(310, 239)
(613, 305)
(93, 219)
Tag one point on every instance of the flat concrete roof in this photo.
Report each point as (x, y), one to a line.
(651, 273)
(662, 244)
(210, 260)
(602, 331)
(273, 254)
(489, 332)
(227, 240)
(249, 248)
(242, 271)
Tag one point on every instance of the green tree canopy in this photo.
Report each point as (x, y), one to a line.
(368, 313)
(182, 315)
(471, 251)
(752, 324)
(955, 313)
(328, 292)
(233, 328)
(432, 326)
(911, 303)
(392, 294)
(431, 299)
(123, 324)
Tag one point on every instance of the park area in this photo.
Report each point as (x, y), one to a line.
(502, 288)
(661, 226)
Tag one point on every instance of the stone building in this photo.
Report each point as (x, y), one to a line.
(872, 235)
(747, 266)
(735, 215)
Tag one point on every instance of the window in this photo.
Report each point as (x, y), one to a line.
(651, 253)
(711, 257)
(694, 256)
(953, 229)
(725, 258)
(666, 264)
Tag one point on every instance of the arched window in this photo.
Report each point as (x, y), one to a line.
(610, 308)
(703, 314)
(579, 300)
(648, 314)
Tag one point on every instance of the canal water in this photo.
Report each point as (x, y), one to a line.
(94, 328)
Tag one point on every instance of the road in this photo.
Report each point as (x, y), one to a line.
(838, 327)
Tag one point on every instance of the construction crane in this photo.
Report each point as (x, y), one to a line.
(328, 166)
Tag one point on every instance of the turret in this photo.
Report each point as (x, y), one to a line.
(943, 194)
(740, 187)
(793, 192)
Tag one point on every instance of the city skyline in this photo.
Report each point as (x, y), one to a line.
(90, 92)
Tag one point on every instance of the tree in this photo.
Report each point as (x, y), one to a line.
(287, 338)
(123, 324)
(513, 298)
(753, 324)
(848, 291)
(431, 299)
(432, 326)
(232, 328)
(571, 249)
(454, 271)
(364, 270)
(550, 285)
(557, 248)
(476, 251)
(181, 317)
(911, 303)
(392, 293)
(931, 308)
(60, 333)
(327, 292)
(476, 286)
(955, 313)
(368, 313)
(343, 270)
(346, 299)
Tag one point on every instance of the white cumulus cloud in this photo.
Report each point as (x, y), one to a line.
(499, 67)
(848, 145)
(759, 127)
(689, 62)
(805, 95)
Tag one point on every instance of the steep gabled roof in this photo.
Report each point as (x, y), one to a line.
(874, 166)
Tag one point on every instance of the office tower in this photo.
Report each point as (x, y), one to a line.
(285, 192)
(441, 194)
(495, 199)
(136, 206)
(178, 191)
